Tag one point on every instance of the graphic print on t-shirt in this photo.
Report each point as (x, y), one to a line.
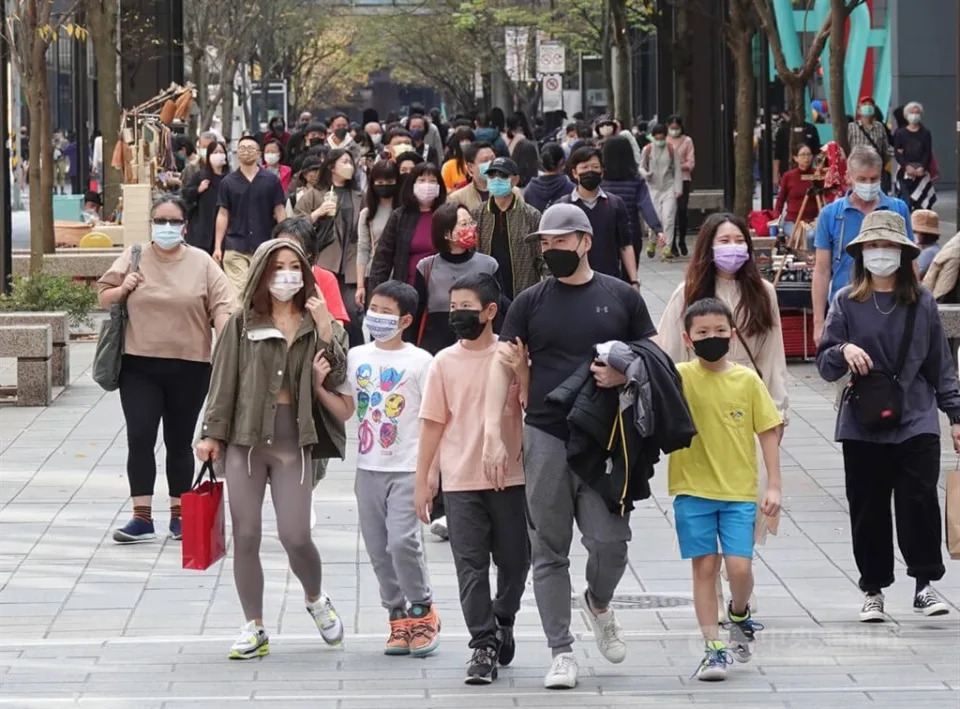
(385, 402)
(387, 386)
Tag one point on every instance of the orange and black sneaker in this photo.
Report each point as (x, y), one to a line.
(424, 629)
(399, 641)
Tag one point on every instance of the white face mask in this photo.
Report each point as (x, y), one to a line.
(286, 284)
(271, 158)
(867, 191)
(881, 262)
(376, 139)
(218, 160)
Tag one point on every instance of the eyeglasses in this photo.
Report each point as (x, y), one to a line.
(248, 149)
(161, 221)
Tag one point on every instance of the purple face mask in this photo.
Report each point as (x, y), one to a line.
(730, 257)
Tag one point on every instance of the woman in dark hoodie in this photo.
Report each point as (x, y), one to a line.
(622, 178)
(553, 184)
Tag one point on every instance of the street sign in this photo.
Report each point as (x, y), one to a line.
(551, 58)
(552, 93)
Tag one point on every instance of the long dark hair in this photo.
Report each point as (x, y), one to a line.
(381, 170)
(619, 162)
(456, 152)
(409, 200)
(754, 314)
(205, 161)
(325, 180)
(527, 159)
(906, 290)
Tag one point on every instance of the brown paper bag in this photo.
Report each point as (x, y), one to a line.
(953, 513)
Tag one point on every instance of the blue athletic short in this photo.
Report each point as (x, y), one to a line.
(700, 521)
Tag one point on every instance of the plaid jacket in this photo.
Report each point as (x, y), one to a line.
(522, 220)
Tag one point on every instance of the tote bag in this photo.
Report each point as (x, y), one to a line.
(204, 526)
(109, 354)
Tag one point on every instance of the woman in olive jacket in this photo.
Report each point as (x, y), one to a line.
(275, 353)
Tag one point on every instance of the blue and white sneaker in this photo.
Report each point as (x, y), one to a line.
(713, 666)
(135, 531)
(176, 529)
(742, 633)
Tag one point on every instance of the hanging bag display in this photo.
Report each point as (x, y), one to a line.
(109, 355)
(877, 397)
(204, 525)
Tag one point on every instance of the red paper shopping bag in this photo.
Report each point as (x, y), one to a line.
(204, 527)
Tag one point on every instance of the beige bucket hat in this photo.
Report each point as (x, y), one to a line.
(884, 225)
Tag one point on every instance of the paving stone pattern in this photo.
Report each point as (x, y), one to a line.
(84, 621)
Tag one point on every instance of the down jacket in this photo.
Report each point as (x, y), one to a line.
(605, 448)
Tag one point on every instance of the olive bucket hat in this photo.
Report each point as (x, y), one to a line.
(884, 225)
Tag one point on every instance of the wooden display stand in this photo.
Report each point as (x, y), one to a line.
(136, 214)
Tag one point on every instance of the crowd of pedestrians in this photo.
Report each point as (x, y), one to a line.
(489, 338)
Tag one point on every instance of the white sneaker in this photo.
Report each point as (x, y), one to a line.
(327, 619)
(872, 609)
(438, 528)
(607, 632)
(252, 642)
(563, 672)
(313, 513)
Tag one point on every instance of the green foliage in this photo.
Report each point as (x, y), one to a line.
(44, 292)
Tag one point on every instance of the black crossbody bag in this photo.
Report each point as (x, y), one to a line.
(877, 397)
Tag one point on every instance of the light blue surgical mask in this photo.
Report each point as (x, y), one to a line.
(866, 110)
(166, 236)
(499, 186)
(867, 191)
(483, 167)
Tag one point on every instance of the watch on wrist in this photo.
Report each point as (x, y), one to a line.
(634, 283)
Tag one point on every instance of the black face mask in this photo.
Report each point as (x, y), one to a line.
(561, 262)
(466, 324)
(591, 180)
(712, 349)
(341, 133)
(385, 191)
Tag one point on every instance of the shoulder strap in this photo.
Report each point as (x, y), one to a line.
(907, 338)
(135, 254)
(743, 341)
(868, 137)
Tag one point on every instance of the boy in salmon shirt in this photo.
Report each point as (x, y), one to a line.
(484, 517)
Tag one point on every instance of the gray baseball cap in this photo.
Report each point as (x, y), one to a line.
(562, 219)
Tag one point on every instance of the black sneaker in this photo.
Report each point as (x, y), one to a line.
(872, 609)
(508, 646)
(482, 668)
(743, 631)
(929, 602)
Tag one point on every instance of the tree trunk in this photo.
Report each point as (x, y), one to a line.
(47, 236)
(683, 61)
(838, 49)
(746, 110)
(102, 17)
(798, 112)
(226, 113)
(623, 96)
(35, 170)
(607, 62)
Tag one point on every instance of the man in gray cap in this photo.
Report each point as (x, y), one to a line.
(558, 322)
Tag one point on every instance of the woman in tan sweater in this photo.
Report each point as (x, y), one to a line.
(173, 298)
(722, 266)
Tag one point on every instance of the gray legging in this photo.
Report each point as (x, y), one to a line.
(291, 482)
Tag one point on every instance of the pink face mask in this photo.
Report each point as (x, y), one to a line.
(729, 258)
(426, 192)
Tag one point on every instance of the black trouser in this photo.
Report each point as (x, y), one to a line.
(909, 471)
(348, 291)
(154, 389)
(484, 524)
(680, 224)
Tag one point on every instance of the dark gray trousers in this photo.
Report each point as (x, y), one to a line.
(483, 524)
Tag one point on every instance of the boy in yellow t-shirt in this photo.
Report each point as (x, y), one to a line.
(714, 481)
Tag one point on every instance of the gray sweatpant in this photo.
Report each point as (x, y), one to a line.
(290, 472)
(555, 498)
(391, 534)
(482, 524)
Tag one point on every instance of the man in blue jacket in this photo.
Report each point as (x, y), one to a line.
(839, 224)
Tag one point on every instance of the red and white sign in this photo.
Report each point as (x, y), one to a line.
(552, 93)
(551, 58)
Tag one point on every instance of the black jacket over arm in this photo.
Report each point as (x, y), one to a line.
(392, 255)
(605, 448)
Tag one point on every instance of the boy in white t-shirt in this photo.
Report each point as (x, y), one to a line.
(485, 516)
(386, 379)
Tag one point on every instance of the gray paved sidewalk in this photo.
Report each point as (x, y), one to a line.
(85, 621)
